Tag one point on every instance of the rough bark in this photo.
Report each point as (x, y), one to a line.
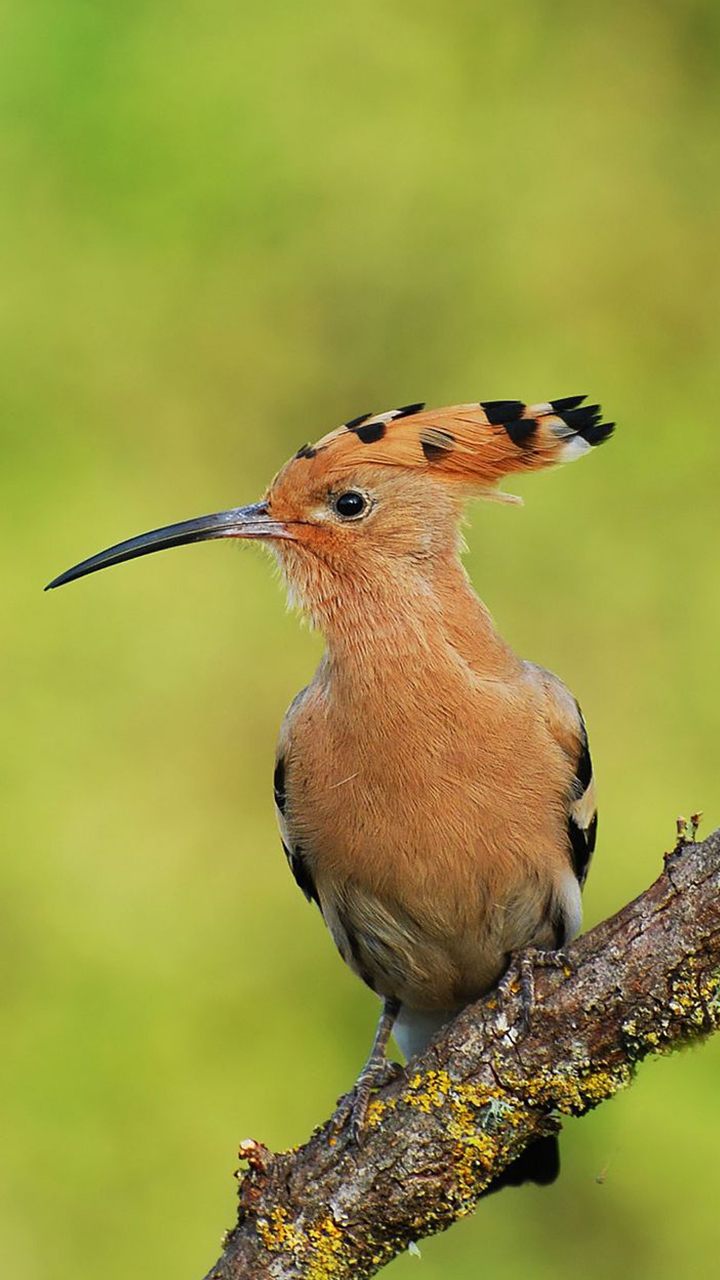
(641, 983)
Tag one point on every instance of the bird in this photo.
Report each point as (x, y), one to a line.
(434, 791)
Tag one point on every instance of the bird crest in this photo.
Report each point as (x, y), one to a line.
(472, 445)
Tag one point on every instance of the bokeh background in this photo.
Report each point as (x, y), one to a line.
(224, 229)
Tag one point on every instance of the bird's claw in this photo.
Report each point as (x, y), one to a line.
(521, 971)
(354, 1107)
(373, 1077)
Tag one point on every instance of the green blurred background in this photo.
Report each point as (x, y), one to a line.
(224, 229)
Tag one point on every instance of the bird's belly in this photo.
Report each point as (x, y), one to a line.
(442, 949)
(396, 957)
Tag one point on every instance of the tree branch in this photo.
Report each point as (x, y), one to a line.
(641, 983)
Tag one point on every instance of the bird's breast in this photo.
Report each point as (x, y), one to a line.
(435, 797)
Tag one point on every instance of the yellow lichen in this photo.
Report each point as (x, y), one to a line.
(279, 1234)
(326, 1242)
(377, 1108)
(693, 1002)
(472, 1109)
(569, 1092)
(696, 998)
(428, 1091)
(319, 1246)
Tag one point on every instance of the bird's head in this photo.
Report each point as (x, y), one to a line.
(378, 501)
(356, 526)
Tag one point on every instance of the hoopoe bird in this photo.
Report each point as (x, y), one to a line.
(434, 791)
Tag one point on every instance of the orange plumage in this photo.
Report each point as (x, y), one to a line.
(434, 791)
(473, 444)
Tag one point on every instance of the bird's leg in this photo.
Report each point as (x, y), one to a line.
(521, 969)
(376, 1072)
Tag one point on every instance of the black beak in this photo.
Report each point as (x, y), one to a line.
(243, 522)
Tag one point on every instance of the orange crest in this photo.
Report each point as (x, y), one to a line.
(472, 444)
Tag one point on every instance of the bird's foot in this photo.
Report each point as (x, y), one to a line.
(353, 1108)
(521, 971)
(373, 1076)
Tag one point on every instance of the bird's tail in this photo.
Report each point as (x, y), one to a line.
(538, 1163)
(474, 445)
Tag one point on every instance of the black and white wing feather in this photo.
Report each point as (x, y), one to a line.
(582, 810)
(298, 861)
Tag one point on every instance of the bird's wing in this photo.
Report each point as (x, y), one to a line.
(297, 858)
(582, 811)
(567, 726)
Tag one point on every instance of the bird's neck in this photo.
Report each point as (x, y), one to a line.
(419, 619)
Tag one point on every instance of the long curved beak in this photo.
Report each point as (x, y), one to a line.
(242, 522)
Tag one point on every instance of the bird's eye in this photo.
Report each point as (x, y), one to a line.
(350, 504)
